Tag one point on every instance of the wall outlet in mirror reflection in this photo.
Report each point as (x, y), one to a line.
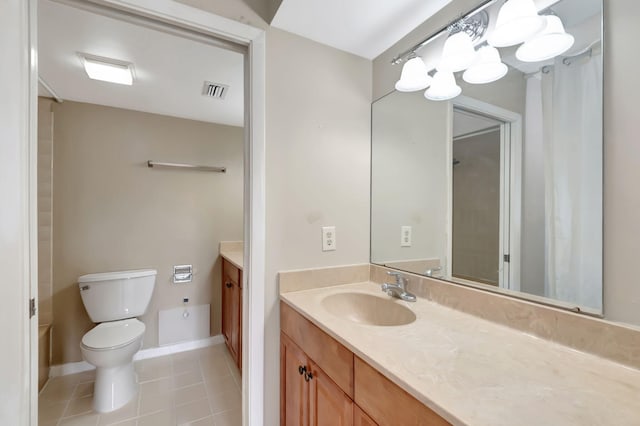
(405, 236)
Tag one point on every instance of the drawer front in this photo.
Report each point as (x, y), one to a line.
(231, 271)
(333, 358)
(386, 403)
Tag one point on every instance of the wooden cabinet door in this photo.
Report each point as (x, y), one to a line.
(294, 407)
(328, 404)
(360, 418)
(235, 320)
(227, 303)
(239, 336)
(232, 310)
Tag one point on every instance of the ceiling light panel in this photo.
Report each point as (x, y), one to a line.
(109, 70)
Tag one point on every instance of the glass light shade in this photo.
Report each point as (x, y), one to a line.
(487, 68)
(458, 52)
(443, 87)
(551, 42)
(414, 76)
(518, 20)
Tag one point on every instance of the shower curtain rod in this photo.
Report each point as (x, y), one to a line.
(586, 51)
(568, 60)
(152, 164)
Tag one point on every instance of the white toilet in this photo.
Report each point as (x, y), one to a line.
(115, 299)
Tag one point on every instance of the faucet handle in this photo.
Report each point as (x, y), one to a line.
(400, 279)
(429, 272)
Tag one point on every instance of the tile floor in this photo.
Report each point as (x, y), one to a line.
(200, 387)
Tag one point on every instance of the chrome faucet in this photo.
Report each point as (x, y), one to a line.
(399, 289)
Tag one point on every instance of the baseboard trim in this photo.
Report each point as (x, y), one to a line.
(79, 367)
(69, 368)
(178, 347)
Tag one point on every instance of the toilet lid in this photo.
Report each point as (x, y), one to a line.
(113, 334)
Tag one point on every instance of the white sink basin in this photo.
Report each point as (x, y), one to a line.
(368, 309)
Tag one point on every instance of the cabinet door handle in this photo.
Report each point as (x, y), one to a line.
(308, 376)
(302, 370)
(229, 285)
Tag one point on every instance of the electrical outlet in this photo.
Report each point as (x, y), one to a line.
(405, 236)
(328, 238)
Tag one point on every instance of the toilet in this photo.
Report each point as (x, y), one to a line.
(113, 300)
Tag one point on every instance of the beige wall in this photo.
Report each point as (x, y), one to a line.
(45, 210)
(621, 159)
(111, 212)
(318, 116)
(621, 153)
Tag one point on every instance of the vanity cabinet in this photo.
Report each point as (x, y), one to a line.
(232, 310)
(328, 405)
(387, 403)
(360, 418)
(309, 396)
(324, 383)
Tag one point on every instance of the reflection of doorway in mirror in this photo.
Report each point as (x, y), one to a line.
(476, 199)
(484, 194)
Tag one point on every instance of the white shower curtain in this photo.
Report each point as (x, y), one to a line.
(572, 122)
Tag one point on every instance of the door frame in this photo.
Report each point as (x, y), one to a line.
(208, 24)
(510, 189)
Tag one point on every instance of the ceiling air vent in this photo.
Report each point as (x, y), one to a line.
(215, 90)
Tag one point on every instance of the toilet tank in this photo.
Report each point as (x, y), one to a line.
(111, 296)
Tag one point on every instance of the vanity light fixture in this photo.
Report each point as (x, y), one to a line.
(105, 69)
(415, 76)
(518, 20)
(458, 52)
(443, 87)
(551, 42)
(487, 68)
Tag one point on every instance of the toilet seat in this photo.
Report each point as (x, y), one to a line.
(113, 334)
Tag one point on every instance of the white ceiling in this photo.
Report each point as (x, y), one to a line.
(363, 27)
(169, 70)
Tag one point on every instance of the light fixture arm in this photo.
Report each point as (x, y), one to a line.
(466, 19)
(475, 27)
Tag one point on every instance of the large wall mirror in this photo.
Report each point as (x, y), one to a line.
(492, 177)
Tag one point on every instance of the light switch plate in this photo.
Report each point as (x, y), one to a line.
(405, 236)
(328, 238)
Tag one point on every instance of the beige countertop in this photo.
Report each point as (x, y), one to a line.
(234, 256)
(233, 252)
(475, 372)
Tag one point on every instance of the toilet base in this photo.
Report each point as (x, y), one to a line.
(114, 387)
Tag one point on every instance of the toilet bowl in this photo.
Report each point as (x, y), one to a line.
(110, 347)
(114, 300)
